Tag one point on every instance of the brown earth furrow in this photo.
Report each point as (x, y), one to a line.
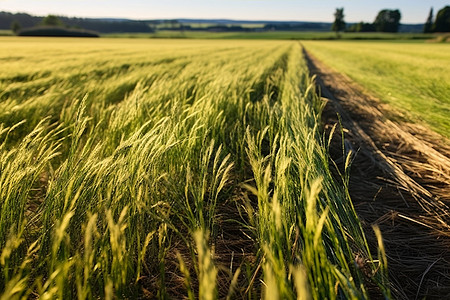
(399, 181)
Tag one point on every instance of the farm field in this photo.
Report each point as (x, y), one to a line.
(399, 180)
(276, 35)
(412, 77)
(172, 168)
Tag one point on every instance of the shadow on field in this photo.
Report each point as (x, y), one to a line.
(400, 181)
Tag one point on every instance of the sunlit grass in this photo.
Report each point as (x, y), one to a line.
(128, 149)
(414, 78)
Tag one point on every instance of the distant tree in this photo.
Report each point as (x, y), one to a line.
(367, 27)
(387, 20)
(174, 23)
(339, 23)
(442, 22)
(428, 27)
(52, 20)
(361, 27)
(353, 28)
(15, 26)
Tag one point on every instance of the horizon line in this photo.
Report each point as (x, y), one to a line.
(190, 18)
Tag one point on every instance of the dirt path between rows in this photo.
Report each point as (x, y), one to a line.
(400, 180)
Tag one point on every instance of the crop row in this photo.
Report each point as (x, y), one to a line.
(135, 161)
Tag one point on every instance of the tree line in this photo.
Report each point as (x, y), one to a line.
(21, 21)
(440, 24)
(388, 20)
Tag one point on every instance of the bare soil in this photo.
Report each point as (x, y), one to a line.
(400, 181)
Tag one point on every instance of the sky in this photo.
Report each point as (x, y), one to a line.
(413, 11)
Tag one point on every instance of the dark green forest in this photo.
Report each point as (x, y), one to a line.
(7, 20)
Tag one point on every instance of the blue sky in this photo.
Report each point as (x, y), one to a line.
(413, 11)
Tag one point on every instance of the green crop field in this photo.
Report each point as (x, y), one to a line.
(413, 77)
(275, 35)
(5, 32)
(130, 168)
